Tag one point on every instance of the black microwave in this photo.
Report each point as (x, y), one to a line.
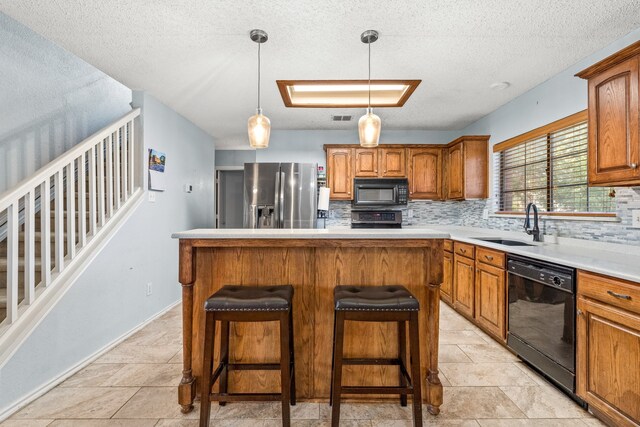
(368, 192)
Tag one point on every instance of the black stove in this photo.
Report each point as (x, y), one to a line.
(376, 219)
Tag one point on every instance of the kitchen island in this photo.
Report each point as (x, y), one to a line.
(313, 262)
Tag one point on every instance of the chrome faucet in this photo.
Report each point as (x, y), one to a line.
(527, 225)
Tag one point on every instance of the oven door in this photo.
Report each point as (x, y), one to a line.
(541, 327)
(375, 194)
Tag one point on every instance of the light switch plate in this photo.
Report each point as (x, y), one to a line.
(152, 196)
(485, 213)
(635, 218)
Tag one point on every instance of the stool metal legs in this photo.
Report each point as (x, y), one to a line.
(409, 384)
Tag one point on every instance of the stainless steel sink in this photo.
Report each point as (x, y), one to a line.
(505, 242)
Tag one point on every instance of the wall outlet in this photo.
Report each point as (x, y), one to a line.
(149, 288)
(485, 213)
(152, 196)
(635, 218)
(410, 213)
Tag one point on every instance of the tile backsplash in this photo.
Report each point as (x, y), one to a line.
(469, 213)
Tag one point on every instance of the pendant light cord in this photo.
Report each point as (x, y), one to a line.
(259, 75)
(369, 74)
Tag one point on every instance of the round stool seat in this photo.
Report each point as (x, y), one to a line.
(374, 298)
(251, 298)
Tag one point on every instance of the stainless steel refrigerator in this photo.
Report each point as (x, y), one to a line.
(280, 195)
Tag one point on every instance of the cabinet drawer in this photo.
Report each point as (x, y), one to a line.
(448, 245)
(612, 291)
(490, 257)
(464, 249)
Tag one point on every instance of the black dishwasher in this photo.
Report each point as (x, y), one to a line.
(542, 318)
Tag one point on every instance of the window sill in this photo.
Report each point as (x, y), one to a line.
(560, 217)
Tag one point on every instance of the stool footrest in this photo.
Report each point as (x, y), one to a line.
(253, 366)
(370, 361)
(376, 390)
(245, 397)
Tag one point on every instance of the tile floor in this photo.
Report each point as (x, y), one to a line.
(135, 385)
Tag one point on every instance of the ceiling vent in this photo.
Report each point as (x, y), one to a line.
(341, 118)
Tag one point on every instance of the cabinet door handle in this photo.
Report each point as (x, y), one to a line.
(579, 312)
(619, 296)
(489, 257)
(633, 166)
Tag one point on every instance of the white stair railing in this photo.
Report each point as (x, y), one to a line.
(83, 203)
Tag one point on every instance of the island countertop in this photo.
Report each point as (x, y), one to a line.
(327, 233)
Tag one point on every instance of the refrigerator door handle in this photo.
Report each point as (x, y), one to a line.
(281, 204)
(276, 203)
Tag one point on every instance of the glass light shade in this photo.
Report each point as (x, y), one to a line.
(369, 127)
(259, 127)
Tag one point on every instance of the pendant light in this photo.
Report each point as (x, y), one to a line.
(259, 125)
(369, 125)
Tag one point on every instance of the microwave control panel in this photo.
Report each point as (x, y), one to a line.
(402, 194)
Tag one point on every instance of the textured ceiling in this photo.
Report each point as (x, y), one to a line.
(196, 55)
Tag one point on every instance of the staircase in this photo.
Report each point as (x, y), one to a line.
(51, 222)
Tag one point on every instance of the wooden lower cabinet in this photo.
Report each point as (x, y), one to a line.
(464, 285)
(491, 293)
(446, 290)
(608, 353)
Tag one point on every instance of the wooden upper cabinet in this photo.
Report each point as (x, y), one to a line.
(614, 110)
(340, 173)
(366, 164)
(393, 162)
(455, 172)
(425, 173)
(381, 162)
(467, 168)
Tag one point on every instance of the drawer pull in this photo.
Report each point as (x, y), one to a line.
(463, 250)
(633, 166)
(579, 312)
(489, 257)
(619, 296)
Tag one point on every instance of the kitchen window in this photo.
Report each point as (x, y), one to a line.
(548, 166)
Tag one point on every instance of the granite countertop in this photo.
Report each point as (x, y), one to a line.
(330, 233)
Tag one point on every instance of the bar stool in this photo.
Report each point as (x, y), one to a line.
(377, 304)
(247, 304)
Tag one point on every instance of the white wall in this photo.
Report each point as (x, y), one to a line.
(49, 101)
(558, 97)
(305, 146)
(109, 298)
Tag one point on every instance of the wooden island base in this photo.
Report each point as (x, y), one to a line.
(314, 267)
